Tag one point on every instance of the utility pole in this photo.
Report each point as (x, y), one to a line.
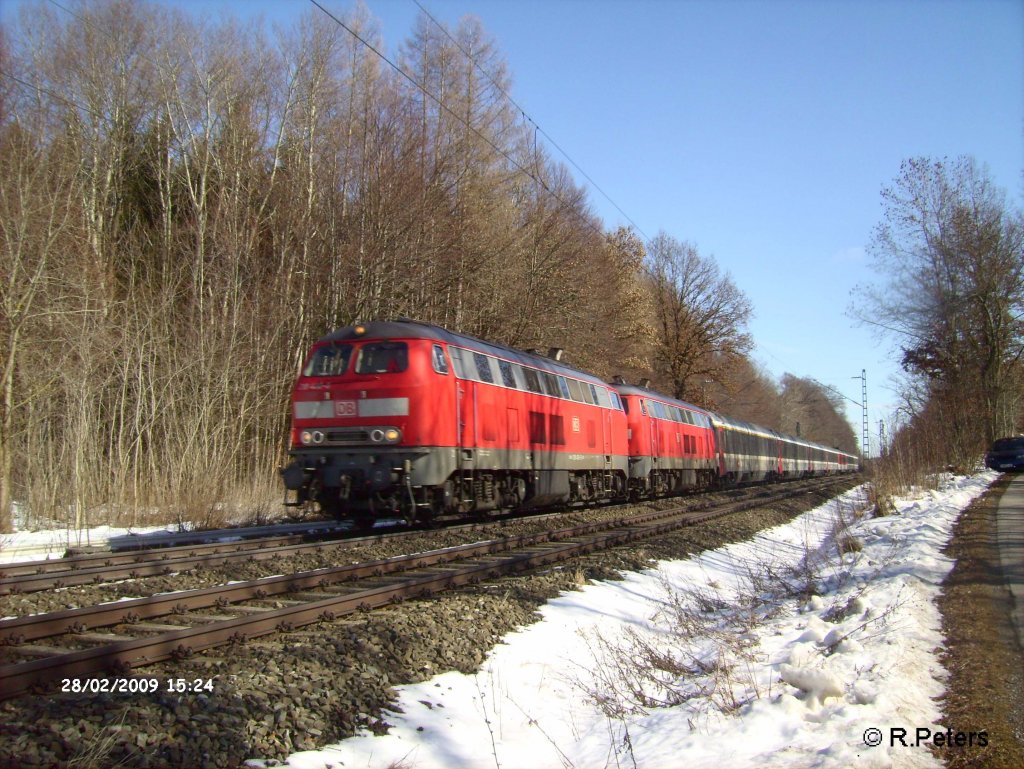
(863, 405)
(865, 439)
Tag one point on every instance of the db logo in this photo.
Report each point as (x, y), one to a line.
(345, 408)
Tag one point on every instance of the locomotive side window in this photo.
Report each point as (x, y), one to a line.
(574, 390)
(621, 404)
(602, 397)
(551, 384)
(458, 363)
(563, 388)
(382, 358)
(532, 383)
(440, 364)
(517, 371)
(483, 368)
(506, 373)
(588, 394)
(329, 360)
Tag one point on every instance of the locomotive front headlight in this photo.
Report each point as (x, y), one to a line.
(392, 435)
(306, 437)
(376, 436)
(318, 437)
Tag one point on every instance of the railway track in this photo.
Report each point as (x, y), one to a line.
(39, 649)
(105, 566)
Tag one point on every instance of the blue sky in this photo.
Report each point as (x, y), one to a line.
(761, 131)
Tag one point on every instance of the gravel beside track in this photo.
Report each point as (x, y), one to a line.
(299, 690)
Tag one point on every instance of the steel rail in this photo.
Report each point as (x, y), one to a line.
(314, 534)
(96, 568)
(542, 548)
(32, 627)
(34, 576)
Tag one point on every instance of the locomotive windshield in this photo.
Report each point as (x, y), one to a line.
(329, 360)
(382, 358)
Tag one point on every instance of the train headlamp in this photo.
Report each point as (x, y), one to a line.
(385, 435)
(311, 436)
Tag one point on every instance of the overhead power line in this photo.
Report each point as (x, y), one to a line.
(519, 166)
(529, 119)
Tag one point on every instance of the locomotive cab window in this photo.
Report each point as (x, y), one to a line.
(329, 360)
(440, 364)
(382, 358)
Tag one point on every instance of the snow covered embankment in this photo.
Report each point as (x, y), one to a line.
(784, 650)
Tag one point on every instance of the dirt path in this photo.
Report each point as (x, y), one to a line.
(983, 656)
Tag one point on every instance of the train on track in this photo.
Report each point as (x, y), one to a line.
(401, 418)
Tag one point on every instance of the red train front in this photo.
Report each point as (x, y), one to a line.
(404, 418)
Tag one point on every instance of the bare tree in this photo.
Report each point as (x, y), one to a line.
(950, 257)
(700, 317)
(812, 411)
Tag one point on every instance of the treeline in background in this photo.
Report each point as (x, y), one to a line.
(185, 205)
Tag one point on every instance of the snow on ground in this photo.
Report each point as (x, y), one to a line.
(776, 678)
(53, 543)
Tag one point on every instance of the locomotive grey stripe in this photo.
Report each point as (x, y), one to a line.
(367, 407)
(384, 407)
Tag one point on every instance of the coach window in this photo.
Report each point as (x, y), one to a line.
(382, 358)
(440, 364)
(506, 373)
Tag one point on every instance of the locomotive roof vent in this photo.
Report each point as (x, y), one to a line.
(618, 379)
(555, 353)
(645, 383)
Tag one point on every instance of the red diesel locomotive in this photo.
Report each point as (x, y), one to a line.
(675, 446)
(405, 418)
(409, 419)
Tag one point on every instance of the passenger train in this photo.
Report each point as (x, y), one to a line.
(401, 418)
